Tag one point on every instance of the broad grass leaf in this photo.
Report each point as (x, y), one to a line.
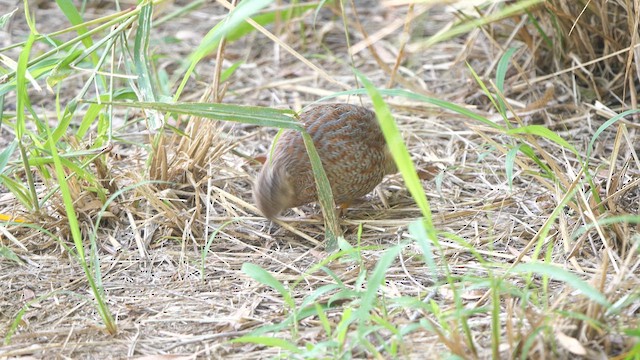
(368, 300)
(565, 276)
(501, 72)
(263, 116)
(264, 277)
(543, 132)
(604, 126)
(502, 67)
(5, 155)
(69, 10)
(466, 26)
(4, 18)
(143, 69)
(419, 97)
(509, 163)
(269, 342)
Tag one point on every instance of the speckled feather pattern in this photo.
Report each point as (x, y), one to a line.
(352, 150)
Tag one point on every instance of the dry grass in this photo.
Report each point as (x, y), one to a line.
(192, 191)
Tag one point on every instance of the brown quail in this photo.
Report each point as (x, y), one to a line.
(351, 146)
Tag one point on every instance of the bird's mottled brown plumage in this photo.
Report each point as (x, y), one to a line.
(353, 153)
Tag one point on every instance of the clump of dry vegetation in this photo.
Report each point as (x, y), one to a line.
(599, 42)
(132, 134)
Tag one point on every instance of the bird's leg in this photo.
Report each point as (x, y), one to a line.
(342, 208)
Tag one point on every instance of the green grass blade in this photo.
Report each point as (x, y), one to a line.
(4, 18)
(324, 320)
(419, 97)
(501, 73)
(269, 342)
(264, 19)
(400, 154)
(503, 66)
(263, 116)
(325, 195)
(18, 190)
(544, 132)
(74, 227)
(210, 41)
(604, 126)
(312, 298)
(5, 155)
(22, 92)
(342, 328)
(618, 219)
(226, 74)
(563, 275)
(143, 69)
(264, 277)
(509, 164)
(533, 19)
(466, 26)
(494, 99)
(207, 246)
(368, 299)
(235, 19)
(70, 11)
(418, 231)
(23, 104)
(7, 253)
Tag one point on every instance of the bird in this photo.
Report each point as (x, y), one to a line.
(352, 150)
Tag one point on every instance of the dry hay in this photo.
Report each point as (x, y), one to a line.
(600, 40)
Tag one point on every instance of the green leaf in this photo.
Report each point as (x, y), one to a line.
(503, 66)
(228, 72)
(563, 275)
(7, 253)
(76, 235)
(418, 230)
(325, 195)
(509, 164)
(533, 19)
(419, 97)
(324, 320)
(528, 151)
(63, 69)
(501, 72)
(618, 219)
(263, 116)
(400, 154)
(264, 277)
(5, 18)
(492, 98)
(143, 69)
(542, 131)
(70, 11)
(22, 98)
(370, 295)
(604, 126)
(465, 26)
(342, 328)
(235, 18)
(269, 341)
(315, 295)
(18, 190)
(267, 18)
(5, 155)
